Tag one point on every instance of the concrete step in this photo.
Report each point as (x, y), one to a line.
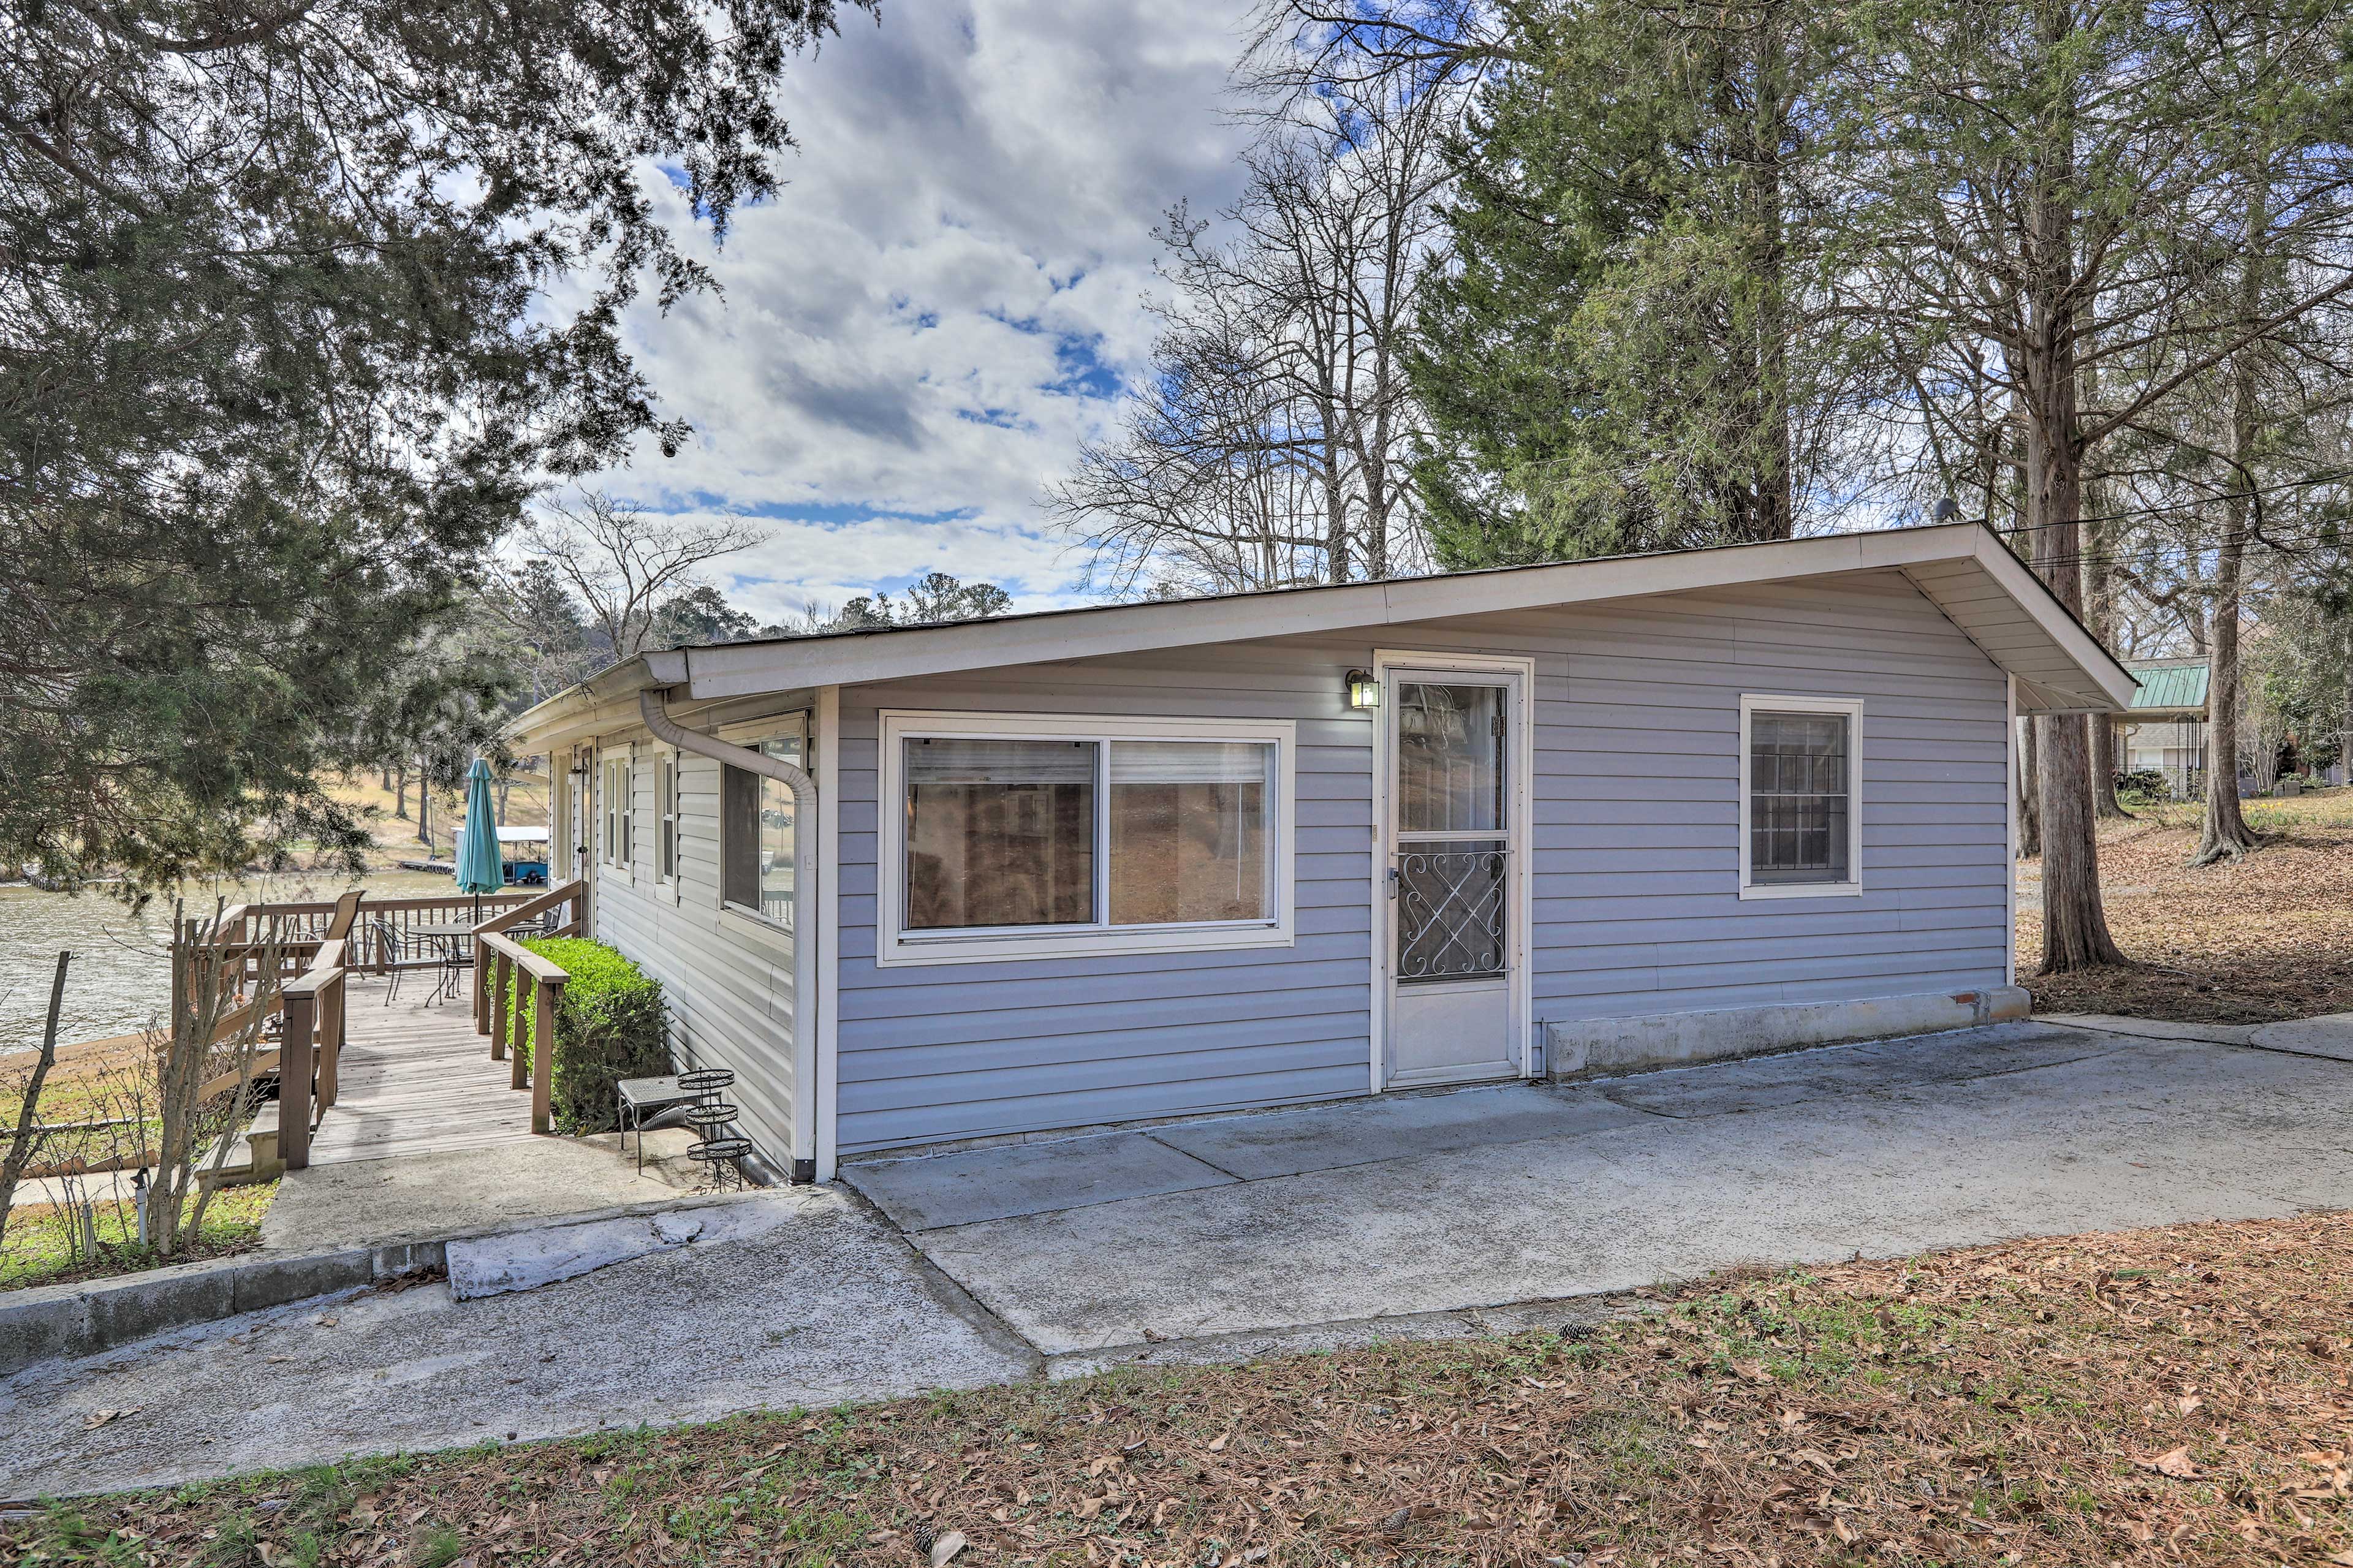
(254, 1157)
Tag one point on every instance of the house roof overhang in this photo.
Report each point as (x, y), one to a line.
(1964, 569)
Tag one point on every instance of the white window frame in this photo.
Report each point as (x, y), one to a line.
(665, 838)
(894, 946)
(1752, 704)
(613, 786)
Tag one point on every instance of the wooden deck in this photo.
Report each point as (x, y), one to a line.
(416, 1079)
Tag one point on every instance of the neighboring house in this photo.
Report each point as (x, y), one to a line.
(997, 878)
(2165, 728)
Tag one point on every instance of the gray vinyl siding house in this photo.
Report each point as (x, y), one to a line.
(1536, 838)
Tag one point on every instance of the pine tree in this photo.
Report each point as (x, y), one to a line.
(1619, 353)
(281, 356)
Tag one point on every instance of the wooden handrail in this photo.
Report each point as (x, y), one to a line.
(377, 906)
(325, 969)
(312, 1003)
(490, 930)
(501, 962)
(532, 963)
(563, 893)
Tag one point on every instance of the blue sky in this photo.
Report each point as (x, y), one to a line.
(946, 299)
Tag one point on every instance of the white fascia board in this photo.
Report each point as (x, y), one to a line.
(741, 669)
(744, 669)
(2112, 680)
(597, 704)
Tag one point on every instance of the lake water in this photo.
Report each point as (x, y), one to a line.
(121, 974)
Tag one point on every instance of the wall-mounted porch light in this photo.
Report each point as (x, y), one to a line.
(1364, 692)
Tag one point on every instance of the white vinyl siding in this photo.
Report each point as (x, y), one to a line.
(727, 978)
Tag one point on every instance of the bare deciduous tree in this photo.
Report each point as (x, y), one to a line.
(2043, 190)
(622, 562)
(1270, 444)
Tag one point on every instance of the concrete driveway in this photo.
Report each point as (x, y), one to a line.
(809, 1300)
(1406, 1216)
(1440, 1203)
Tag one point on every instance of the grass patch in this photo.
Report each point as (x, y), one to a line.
(35, 1250)
(2177, 1395)
(84, 1085)
(2263, 937)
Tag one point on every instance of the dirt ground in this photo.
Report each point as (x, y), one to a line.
(526, 807)
(2175, 1396)
(2266, 937)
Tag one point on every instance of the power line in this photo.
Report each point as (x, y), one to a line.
(2304, 483)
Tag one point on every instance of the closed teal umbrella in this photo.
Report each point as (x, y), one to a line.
(481, 868)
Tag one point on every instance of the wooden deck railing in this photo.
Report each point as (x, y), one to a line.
(501, 965)
(312, 999)
(300, 924)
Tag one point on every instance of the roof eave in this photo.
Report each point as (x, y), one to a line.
(2083, 679)
(743, 670)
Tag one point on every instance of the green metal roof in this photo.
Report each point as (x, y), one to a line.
(2169, 685)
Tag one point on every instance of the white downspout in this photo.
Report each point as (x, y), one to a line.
(652, 704)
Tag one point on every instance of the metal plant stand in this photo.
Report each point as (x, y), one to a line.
(712, 1117)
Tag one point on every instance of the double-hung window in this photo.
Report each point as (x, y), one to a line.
(666, 816)
(758, 845)
(1048, 836)
(1801, 797)
(613, 786)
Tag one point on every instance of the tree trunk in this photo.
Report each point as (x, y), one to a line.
(2104, 770)
(2100, 535)
(1773, 516)
(424, 814)
(1336, 502)
(2030, 813)
(2344, 716)
(399, 787)
(2074, 928)
(23, 1140)
(2224, 833)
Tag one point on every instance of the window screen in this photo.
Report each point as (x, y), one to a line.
(757, 842)
(1189, 831)
(1800, 791)
(999, 832)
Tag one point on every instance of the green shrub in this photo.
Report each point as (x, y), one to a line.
(609, 1025)
(2143, 786)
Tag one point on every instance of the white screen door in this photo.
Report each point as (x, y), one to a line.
(1454, 847)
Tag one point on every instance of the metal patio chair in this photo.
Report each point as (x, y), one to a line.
(391, 953)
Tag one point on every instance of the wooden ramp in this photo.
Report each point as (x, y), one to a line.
(416, 1079)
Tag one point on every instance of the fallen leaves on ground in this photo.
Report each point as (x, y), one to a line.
(2178, 1395)
(2264, 937)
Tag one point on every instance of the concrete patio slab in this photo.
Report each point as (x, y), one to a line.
(1363, 1131)
(927, 1190)
(365, 1203)
(824, 1304)
(1476, 1212)
(2329, 1035)
(2147, 1132)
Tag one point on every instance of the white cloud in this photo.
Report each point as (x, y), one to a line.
(889, 377)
